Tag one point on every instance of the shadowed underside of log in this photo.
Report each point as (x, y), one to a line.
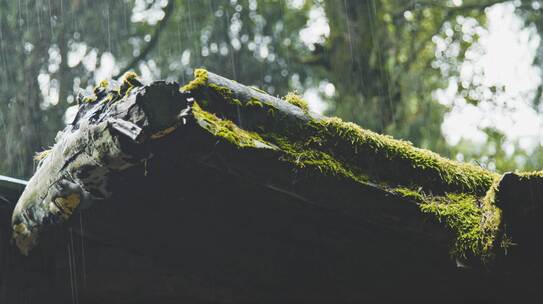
(220, 181)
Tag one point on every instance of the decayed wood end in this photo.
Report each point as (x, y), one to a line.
(109, 134)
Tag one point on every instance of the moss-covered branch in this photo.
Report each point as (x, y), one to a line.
(312, 159)
(453, 192)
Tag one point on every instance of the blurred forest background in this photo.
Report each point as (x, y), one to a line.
(460, 77)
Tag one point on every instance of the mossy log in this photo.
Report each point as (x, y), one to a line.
(138, 157)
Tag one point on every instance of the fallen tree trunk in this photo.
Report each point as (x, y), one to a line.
(146, 164)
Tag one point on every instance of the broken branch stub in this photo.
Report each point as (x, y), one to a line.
(110, 134)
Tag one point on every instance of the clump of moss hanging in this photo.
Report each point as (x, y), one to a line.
(254, 103)
(474, 220)
(475, 228)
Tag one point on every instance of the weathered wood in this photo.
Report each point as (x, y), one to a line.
(107, 137)
(256, 196)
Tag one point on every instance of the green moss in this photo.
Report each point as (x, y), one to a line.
(461, 212)
(101, 91)
(415, 195)
(474, 220)
(398, 162)
(105, 94)
(200, 79)
(297, 100)
(236, 102)
(226, 93)
(295, 153)
(228, 130)
(491, 220)
(104, 84)
(89, 99)
(128, 81)
(302, 157)
(530, 175)
(272, 112)
(254, 103)
(378, 156)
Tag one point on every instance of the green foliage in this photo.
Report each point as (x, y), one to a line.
(297, 100)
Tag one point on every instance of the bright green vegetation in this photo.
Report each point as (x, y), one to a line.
(530, 175)
(254, 103)
(302, 156)
(200, 79)
(200, 82)
(476, 226)
(459, 195)
(297, 100)
(128, 81)
(228, 130)
(400, 162)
